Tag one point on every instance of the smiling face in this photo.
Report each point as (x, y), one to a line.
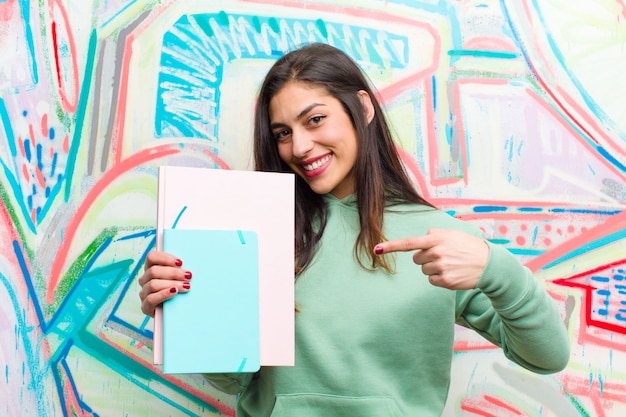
(315, 137)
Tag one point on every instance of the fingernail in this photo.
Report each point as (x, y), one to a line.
(178, 262)
(378, 250)
(187, 274)
(173, 290)
(186, 285)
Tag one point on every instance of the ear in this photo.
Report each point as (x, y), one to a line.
(368, 107)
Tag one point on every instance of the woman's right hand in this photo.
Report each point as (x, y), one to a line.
(162, 279)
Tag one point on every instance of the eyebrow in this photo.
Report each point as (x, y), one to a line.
(300, 115)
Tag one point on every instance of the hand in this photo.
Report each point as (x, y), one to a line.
(450, 258)
(162, 279)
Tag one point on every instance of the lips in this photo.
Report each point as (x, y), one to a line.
(316, 167)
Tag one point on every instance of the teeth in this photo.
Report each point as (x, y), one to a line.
(316, 164)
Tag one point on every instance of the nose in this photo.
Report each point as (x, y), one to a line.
(301, 143)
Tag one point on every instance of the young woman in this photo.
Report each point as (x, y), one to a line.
(381, 275)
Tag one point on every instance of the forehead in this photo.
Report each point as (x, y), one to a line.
(295, 96)
(301, 88)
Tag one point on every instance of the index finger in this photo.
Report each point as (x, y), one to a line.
(161, 258)
(405, 244)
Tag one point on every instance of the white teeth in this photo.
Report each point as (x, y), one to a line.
(316, 164)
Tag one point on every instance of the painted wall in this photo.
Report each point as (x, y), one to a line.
(510, 115)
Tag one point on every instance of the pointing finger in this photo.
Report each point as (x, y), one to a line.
(406, 244)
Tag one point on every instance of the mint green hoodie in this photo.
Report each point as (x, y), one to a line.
(374, 344)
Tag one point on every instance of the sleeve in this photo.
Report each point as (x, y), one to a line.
(511, 309)
(232, 383)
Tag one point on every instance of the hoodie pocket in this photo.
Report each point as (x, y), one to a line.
(310, 405)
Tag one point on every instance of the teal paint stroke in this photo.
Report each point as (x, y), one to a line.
(483, 54)
(581, 250)
(80, 114)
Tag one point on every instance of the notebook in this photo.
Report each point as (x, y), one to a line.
(215, 326)
(208, 200)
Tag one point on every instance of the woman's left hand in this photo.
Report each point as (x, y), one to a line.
(450, 258)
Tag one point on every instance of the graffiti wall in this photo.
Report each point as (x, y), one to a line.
(510, 114)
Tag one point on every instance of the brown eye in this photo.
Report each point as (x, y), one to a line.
(281, 134)
(315, 120)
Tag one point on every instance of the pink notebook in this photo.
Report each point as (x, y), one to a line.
(261, 202)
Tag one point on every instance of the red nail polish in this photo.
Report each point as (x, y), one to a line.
(173, 290)
(178, 262)
(378, 250)
(186, 285)
(187, 274)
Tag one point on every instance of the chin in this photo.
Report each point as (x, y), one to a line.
(319, 189)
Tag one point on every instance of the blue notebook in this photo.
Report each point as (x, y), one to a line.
(214, 327)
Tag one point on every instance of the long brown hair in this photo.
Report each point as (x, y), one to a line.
(380, 178)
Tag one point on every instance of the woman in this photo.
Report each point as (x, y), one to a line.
(382, 276)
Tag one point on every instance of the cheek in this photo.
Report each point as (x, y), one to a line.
(284, 152)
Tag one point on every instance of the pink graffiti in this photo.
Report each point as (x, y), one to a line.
(489, 406)
(7, 10)
(601, 394)
(541, 66)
